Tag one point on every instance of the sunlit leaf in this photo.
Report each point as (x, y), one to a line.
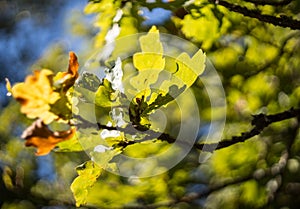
(41, 137)
(187, 70)
(36, 95)
(64, 80)
(103, 155)
(71, 145)
(149, 62)
(88, 174)
(151, 42)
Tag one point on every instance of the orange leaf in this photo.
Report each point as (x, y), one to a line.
(67, 79)
(40, 136)
(73, 65)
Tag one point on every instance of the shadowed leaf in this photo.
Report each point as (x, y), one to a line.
(41, 137)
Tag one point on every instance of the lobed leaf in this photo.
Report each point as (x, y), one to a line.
(187, 70)
(88, 174)
(150, 62)
(105, 96)
(36, 95)
(150, 42)
(43, 95)
(41, 137)
(64, 80)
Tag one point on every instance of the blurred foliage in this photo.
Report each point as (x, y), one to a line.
(259, 67)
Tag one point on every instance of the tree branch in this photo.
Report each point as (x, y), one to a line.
(273, 171)
(260, 122)
(273, 3)
(283, 21)
(282, 164)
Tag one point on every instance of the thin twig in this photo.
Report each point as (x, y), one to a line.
(260, 122)
(273, 171)
(282, 21)
(273, 3)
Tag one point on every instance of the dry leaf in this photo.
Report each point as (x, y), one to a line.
(41, 137)
(36, 95)
(67, 79)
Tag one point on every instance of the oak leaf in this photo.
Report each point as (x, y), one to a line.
(42, 93)
(40, 136)
(65, 80)
(36, 95)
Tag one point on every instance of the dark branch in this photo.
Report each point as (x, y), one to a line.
(282, 164)
(283, 21)
(260, 122)
(273, 3)
(129, 129)
(271, 172)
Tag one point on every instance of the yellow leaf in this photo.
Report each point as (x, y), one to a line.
(148, 61)
(42, 89)
(36, 95)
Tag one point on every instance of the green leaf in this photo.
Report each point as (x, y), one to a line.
(183, 72)
(162, 99)
(106, 96)
(71, 145)
(103, 156)
(143, 80)
(62, 108)
(88, 174)
(89, 81)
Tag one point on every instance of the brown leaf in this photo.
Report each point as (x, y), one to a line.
(73, 65)
(41, 137)
(65, 80)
